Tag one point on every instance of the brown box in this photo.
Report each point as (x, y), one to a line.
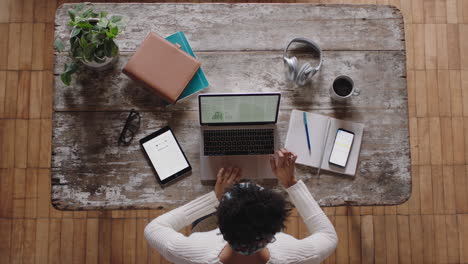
(162, 67)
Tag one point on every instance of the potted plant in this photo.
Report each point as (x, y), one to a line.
(91, 40)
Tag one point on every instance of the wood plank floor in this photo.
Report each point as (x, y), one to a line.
(432, 227)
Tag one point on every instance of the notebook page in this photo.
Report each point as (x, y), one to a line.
(296, 140)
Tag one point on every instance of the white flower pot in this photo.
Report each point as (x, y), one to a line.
(106, 64)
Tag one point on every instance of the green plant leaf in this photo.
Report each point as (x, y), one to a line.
(103, 22)
(66, 78)
(72, 14)
(87, 49)
(59, 45)
(115, 19)
(87, 13)
(103, 14)
(88, 36)
(79, 19)
(70, 68)
(83, 42)
(74, 42)
(101, 35)
(75, 32)
(99, 56)
(88, 52)
(84, 25)
(95, 40)
(98, 38)
(77, 54)
(107, 48)
(100, 52)
(115, 49)
(75, 47)
(114, 31)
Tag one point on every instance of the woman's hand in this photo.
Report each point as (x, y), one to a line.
(284, 167)
(225, 179)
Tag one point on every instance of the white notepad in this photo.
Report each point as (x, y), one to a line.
(321, 141)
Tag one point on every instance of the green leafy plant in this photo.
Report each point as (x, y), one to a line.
(91, 39)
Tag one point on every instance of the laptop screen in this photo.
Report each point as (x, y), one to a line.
(239, 108)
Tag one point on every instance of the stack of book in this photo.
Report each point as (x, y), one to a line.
(168, 67)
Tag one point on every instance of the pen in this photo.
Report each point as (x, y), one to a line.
(306, 129)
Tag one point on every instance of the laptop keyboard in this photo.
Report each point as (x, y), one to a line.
(238, 142)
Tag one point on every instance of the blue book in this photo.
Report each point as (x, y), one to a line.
(198, 81)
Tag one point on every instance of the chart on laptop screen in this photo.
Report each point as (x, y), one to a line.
(238, 108)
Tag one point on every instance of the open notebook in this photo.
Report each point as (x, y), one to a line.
(322, 133)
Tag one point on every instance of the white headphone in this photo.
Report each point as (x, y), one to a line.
(293, 73)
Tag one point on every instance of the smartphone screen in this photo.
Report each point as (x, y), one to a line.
(341, 147)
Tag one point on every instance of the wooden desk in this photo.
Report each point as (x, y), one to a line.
(241, 47)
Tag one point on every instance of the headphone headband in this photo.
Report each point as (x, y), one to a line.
(310, 44)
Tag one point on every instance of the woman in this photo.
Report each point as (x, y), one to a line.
(250, 218)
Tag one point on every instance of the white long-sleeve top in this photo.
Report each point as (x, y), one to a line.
(205, 247)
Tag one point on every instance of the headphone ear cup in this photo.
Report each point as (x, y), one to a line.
(291, 68)
(303, 74)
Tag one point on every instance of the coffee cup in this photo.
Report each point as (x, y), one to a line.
(343, 88)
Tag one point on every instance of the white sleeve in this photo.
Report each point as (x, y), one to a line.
(162, 233)
(323, 239)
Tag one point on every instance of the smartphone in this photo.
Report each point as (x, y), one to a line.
(341, 147)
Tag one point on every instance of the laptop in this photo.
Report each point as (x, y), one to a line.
(238, 130)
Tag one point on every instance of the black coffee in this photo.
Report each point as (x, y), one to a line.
(342, 87)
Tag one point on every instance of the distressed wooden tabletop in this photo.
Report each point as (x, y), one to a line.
(240, 47)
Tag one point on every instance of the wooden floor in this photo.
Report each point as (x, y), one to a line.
(432, 227)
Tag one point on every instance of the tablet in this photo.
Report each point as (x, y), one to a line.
(165, 156)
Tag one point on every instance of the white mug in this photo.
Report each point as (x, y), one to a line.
(343, 88)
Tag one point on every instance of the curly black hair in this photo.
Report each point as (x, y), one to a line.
(248, 212)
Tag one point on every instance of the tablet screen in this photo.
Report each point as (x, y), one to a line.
(165, 155)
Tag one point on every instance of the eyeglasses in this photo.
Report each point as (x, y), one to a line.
(130, 128)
